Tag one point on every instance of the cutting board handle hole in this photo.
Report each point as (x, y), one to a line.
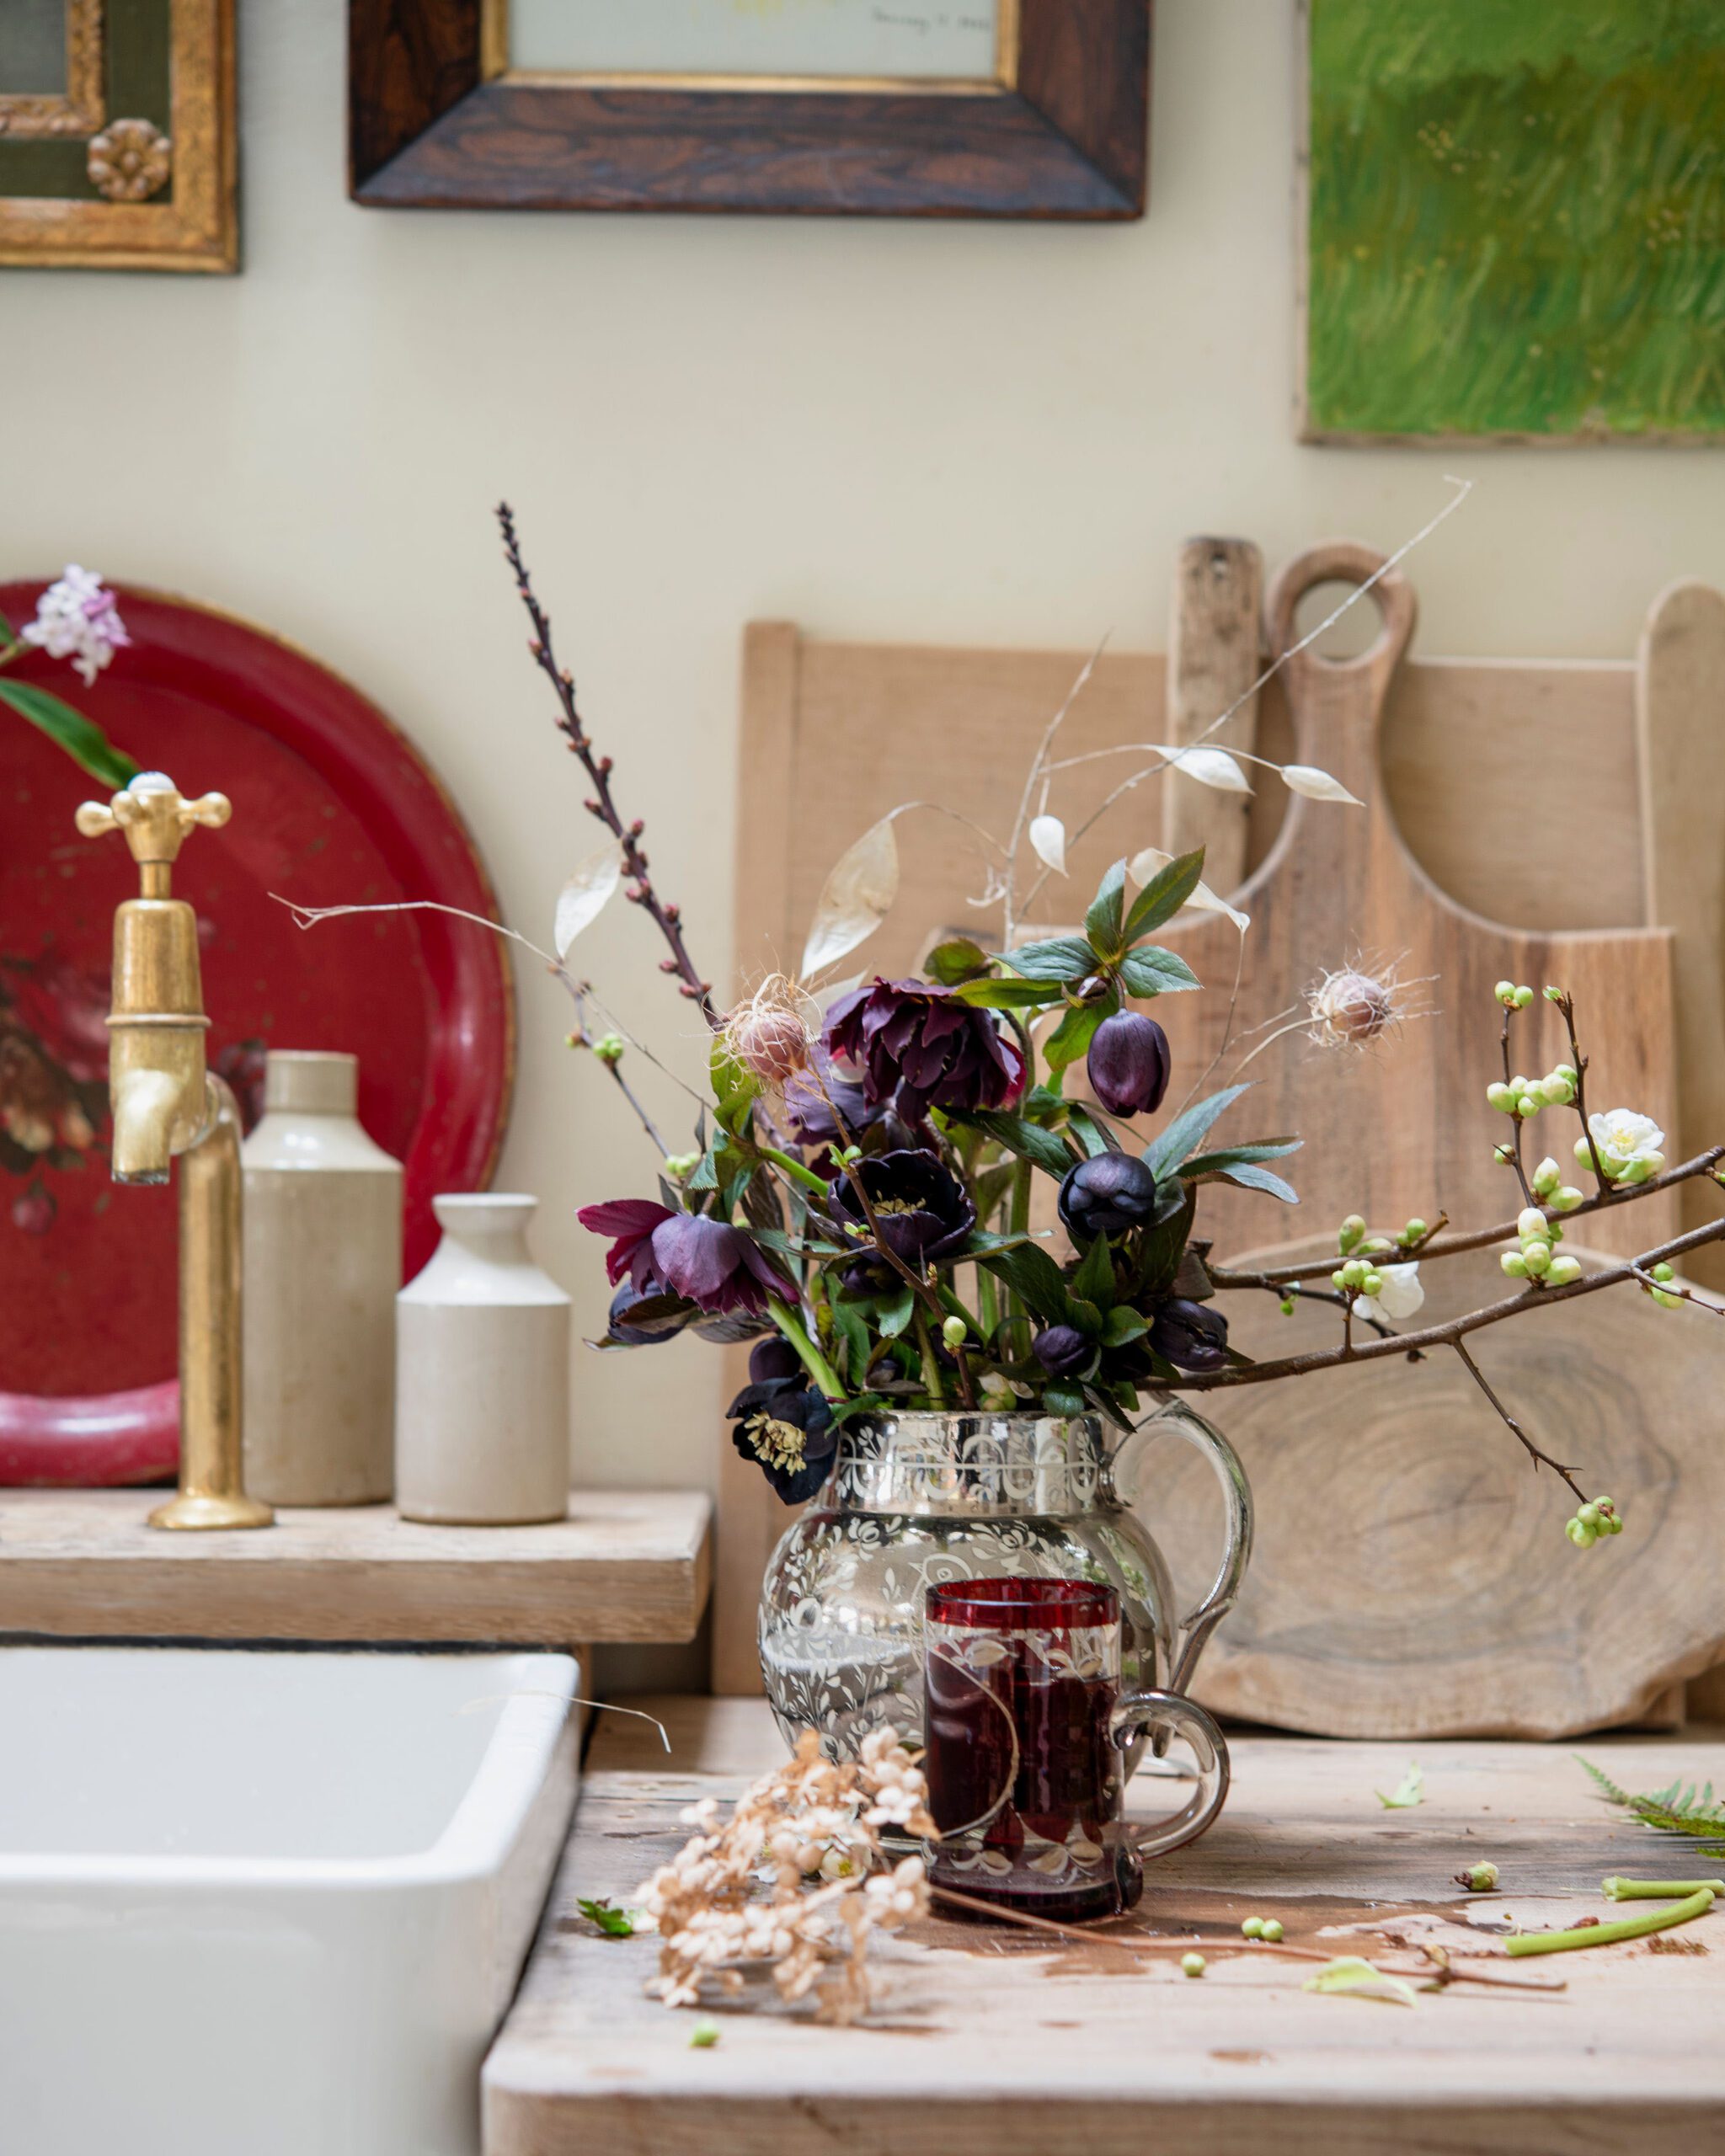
(1351, 637)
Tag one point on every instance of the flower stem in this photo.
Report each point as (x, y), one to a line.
(795, 1171)
(931, 1366)
(810, 1355)
(1658, 1890)
(1604, 1934)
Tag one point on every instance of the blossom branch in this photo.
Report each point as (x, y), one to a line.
(1540, 1459)
(667, 918)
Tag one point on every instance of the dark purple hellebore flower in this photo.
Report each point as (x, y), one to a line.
(918, 1047)
(924, 1211)
(1192, 1336)
(811, 1117)
(787, 1430)
(718, 1268)
(775, 1361)
(617, 1326)
(1107, 1196)
(1062, 1350)
(1128, 1064)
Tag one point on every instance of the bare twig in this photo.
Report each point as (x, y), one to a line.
(1540, 1459)
(1527, 1197)
(1566, 1004)
(667, 918)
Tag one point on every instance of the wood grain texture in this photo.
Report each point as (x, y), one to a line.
(1214, 629)
(1400, 1127)
(1070, 140)
(985, 2038)
(1680, 741)
(1410, 1575)
(625, 1565)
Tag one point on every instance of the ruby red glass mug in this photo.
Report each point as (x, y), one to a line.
(1026, 1727)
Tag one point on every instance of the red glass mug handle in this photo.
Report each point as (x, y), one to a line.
(1171, 1714)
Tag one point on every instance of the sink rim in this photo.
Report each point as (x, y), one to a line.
(539, 1687)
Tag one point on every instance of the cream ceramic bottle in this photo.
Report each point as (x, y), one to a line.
(482, 1413)
(323, 1224)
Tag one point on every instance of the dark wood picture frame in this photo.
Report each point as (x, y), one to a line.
(436, 120)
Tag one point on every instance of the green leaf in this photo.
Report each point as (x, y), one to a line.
(81, 737)
(613, 1922)
(991, 1187)
(1089, 1132)
(1123, 1326)
(1155, 972)
(1094, 1280)
(1027, 1139)
(1032, 1275)
(1409, 1790)
(1248, 1176)
(1062, 1400)
(1065, 957)
(1007, 995)
(850, 1330)
(1163, 1243)
(7, 630)
(1075, 1031)
(958, 960)
(1085, 1315)
(1351, 1972)
(734, 1088)
(1231, 1157)
(1103, 923)
(1187, 1130)
(896, 1311)
(1164, 894)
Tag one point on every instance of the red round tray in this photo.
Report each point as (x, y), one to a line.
(331, 806)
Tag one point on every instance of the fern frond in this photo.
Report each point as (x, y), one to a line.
(1674, 1810)
(1613, 1794)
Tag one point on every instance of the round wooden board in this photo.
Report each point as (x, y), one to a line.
(1410, 1576)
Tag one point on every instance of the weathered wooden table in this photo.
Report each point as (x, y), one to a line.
(996, 2041)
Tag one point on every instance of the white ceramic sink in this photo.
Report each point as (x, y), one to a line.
(267, 1904)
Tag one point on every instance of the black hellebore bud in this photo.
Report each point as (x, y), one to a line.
(1062, 1350)
(1107, 1196)
(1192, 1336)
(1128, 1064)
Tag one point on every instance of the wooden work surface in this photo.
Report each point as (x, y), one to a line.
(625, 1565)
(988, 2040)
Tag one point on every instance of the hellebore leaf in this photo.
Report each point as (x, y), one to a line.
(1062, 958)
(1007, 995)
(1231, 1157)
(958, 960)
(1190, 1128)
(856, 898)
(734, 1088)
(1248, 1176)
(1048, 842)
(1352, 1972)
(1144, 866)
(1090, 1133)
(1208, 766)
(1166, 890)
(1032, 1274)
(1104, 923)
(583, 898)
(1124, 1325)
(895, 1311)
(1094, 1280)
(1073, 1035)
(1155, 972)
(1317, 784)
(1410, 1789)
(1028, 1139)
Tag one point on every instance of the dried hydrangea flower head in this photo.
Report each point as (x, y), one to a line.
(772, 1031)
(808, 1832)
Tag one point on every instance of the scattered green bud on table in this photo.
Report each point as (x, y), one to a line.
(1478, 1878)
(703, 2035)
(1192, 1964)
(1253, 1927)
(1273, 1931)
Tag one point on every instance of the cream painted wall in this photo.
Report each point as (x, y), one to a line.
(948, 431)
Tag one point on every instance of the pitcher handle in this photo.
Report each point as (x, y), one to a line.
(1196, 1628)
(1168, 1714)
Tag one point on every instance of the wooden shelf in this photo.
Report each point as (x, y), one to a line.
(627, 1565)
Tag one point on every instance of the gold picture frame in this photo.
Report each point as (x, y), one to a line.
(148, 197)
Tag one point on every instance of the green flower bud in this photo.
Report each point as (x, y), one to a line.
(1505, 994)
(1536, 1255)
(1273, 1930)
(1565, 1199)
(1353, 1273)
(1287, 1307)
(1554, 994)
(1373, 1284)
(1523, 997)
(1665, 1302)
(1562, 1271)
(1253, 1927)
(1581, 1534)
(1530, 1222)
(1515, 1264)
(954, 1331)
(1605, 1504)
(1554, 1091)
(1503, 1155)
(1480, 1878)
(1614, 1525)
(1641, 1170)
(1529, 1106)
(1501, 1097)
(1589, 1515)
(1663, 1271)
(679, 1167)
(1413, 1232)
(1338, 1280)
(1567, 1070)
(1349, 1236)
(1546, 1176)
(608, 1047)
(1192, 1964)
(1584, 1153)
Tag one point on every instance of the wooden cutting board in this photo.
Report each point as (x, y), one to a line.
(1402, 1128)
(1410, 1575)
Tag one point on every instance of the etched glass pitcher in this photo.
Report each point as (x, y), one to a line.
(917, 1500)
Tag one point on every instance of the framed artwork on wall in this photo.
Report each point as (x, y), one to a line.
(1511, 224)
(118, 143)
(880, 108)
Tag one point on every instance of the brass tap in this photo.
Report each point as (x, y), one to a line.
(165, 1102)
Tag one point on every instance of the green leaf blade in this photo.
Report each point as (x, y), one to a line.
(81, 737)
(1155, 972)
(1164, 894)
(1061, 958)
(1103, 924)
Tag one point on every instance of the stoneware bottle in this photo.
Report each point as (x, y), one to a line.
(481, 1412)
(321, 1265)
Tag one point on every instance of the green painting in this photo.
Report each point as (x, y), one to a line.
(1515, 218)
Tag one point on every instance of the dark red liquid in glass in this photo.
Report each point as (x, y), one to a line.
(1024, 1747)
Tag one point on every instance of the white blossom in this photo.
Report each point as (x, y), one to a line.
(1402, 1293)
(1629, 1145)
(77, 618)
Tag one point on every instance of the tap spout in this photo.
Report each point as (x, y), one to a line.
(148, 1109)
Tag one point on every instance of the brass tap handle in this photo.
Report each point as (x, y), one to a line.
(155, 816)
